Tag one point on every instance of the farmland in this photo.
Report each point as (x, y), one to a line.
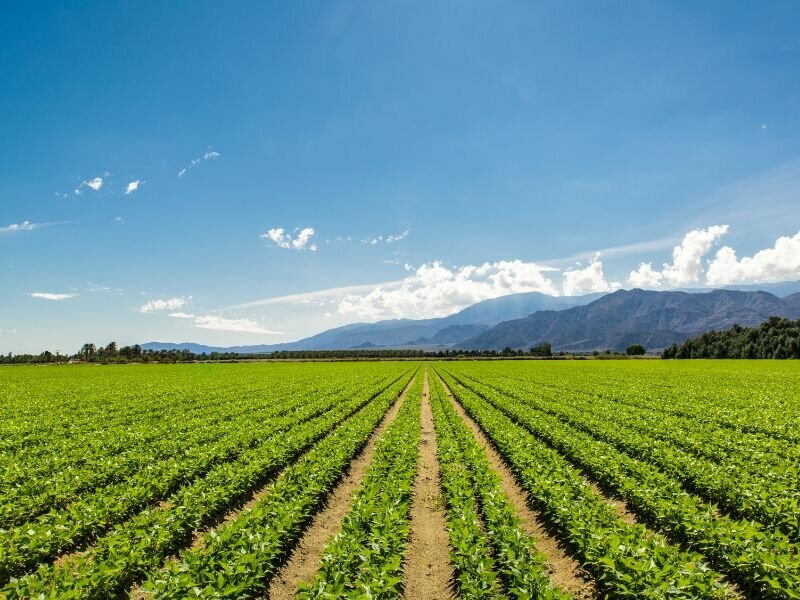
(484, 479)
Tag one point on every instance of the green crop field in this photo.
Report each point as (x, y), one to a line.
(473, 479)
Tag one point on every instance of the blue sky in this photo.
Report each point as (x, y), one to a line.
(484, 147)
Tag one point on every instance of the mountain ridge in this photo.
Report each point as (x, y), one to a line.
(655, 319)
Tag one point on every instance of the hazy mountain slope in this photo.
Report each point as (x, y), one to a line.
(409, 332)
(655, 319)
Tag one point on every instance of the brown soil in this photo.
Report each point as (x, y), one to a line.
(428, 572)
(307, 555)
(564, 570)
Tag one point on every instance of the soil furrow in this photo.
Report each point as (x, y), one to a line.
(428, 571)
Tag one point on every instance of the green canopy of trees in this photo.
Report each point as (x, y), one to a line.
(774, 338)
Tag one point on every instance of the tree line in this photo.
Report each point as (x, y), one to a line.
(113, 353)
(774, 338)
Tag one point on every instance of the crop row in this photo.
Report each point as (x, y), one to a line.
(138, 546)
(142, 462)
(628, 560)
(479, 510)
(365, 558)
(754, 451)
(764, 562)
(240, 559)
(774, 502)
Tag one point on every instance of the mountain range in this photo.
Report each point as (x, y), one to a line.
(427, 333)
(613, 321)
(653, 319)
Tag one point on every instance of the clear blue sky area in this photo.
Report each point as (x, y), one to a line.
(422, 155)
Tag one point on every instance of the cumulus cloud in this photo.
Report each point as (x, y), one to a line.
(210, 155)
(302, 241)
(433, 290)
(779, 263)
(51, 296)
(218, 323)
(16, 227)
(133, 186)
(587, 280)
(165, 304)
(645, 277)
(687, 261)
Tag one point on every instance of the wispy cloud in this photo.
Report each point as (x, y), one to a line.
(160, 304)
(374, 240)
(17, 227)
(210, 155)
(617, 251)
(301, 241)
(51, 296)
(119, 220)
(133, 186)
(218, 323)
(308, 297)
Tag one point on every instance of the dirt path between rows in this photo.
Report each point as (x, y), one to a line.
(307, 555)
(564, 570)
(428, 572)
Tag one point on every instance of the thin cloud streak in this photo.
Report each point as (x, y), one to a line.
(308, 296)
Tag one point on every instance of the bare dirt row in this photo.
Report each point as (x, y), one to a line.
(307, 555)
(429, 573)
(564, 570)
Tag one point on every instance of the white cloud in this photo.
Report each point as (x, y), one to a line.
(434, 290)
(15, 227)
(119, 220)
(218, 323)
(281, 239)
(95, 183)
(166, 304)
(587, 280)
(210, 155)
(779, 263)
(133, 186)
(645, 277)
(374, 240)
(687, 260)
(50, 296)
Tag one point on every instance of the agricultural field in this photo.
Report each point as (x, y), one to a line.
(473, 479)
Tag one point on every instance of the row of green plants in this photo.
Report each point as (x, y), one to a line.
(479, 510)
(150, 458)
(755, 397)
(23, 546)
(757, 451)
(140, 543)
(764, 562)
(628, 560)
(240, 559)
(365, 559)
(737, 487)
